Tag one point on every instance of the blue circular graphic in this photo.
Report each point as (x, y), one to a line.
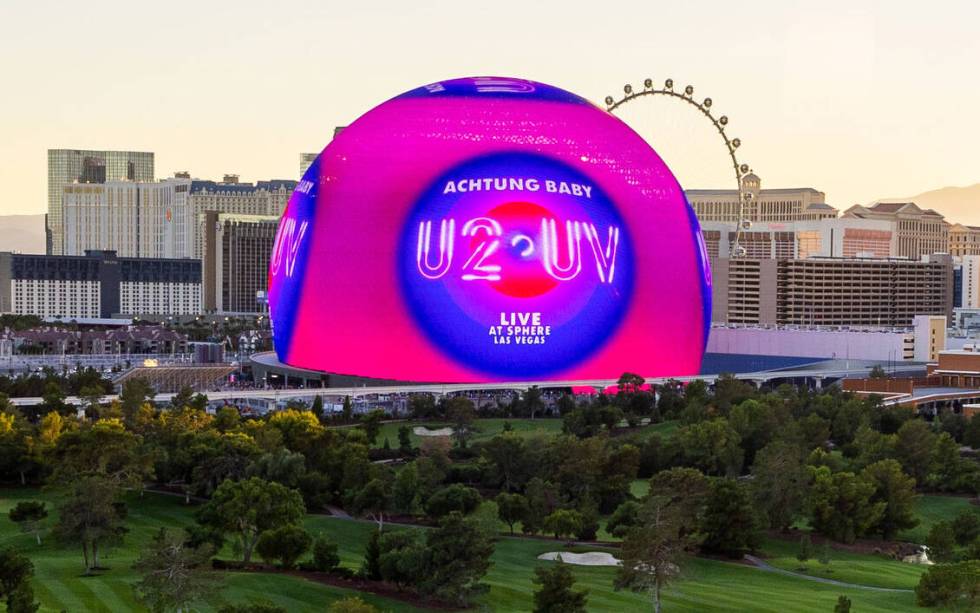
(516, 265)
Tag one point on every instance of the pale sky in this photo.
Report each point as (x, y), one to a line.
(858, 99)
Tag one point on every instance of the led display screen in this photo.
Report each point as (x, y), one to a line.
(489, 229)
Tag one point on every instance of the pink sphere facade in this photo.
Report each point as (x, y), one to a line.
(489, 229)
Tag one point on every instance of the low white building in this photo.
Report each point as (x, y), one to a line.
(920, 343)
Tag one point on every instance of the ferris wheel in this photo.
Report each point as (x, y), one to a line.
(720, 123)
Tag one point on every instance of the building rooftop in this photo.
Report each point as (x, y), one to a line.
(198, 186)
(780, 190)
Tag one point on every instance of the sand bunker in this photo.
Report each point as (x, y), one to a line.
(423, 431)
(589, 558)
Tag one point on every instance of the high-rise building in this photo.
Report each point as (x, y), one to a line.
(763, 205)
(969, 297)
(964, 240)
(98, 284)
(236, 254)
(134, 219)
(919, 231)
(263, 198)
(68, 166)
(831, 291)
(305, 161)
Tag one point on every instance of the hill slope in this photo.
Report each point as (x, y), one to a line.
(957, 204)
(23, 233)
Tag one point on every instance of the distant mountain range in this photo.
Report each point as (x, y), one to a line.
(23, 233)
(956, 204)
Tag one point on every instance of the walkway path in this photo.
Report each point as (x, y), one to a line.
(763, 566)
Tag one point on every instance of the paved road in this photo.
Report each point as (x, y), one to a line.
(763, 566)
(274, 395)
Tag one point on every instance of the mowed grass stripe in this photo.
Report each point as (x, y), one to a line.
(93, 593)
(56, 595)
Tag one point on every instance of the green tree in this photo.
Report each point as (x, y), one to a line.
(555, 594)
(92, 516)
(317, 407)
(563, 523)
(966, 527)
(16, 571)
(684, 491)
(542, 499)
(91, 396)
(949, 471)
(133, 394)
(249, 507)
(54, 399)
(348, 410)
(371, 565)
(182, 398)
(227, 419)
(873, 446)
(458, 557)
(371, 424)
(531, 401)
(511, 508)
(941, 542)
(325, 557)
(404, 440)
(652, 550)
(104, 449)
(422, 406)
(462, 415)
(508, 459)
(402, 557)
(711, 446)
(624, 518)
(971, 434)
(805, 551)
(284, 544)
(374, 501)
(28, 514)
(824, 556)
(173, 575)
(843, 604)
(950, 585)
(840, 505)
(588, 528)
(405, 492)
(897, 491)
(914, 447)
(452, 498)
(779, 483)
(847, 419)
(730, 524)
(282, 466)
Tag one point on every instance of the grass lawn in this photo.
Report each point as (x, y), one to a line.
(864, 569)
(664, 429)
(707, 585)
(60, 586)
(486, 429)
(640, 487)
(933, 509)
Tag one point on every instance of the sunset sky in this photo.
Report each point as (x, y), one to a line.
(858, 99)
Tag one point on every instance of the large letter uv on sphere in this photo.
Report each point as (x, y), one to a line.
(489, 229)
